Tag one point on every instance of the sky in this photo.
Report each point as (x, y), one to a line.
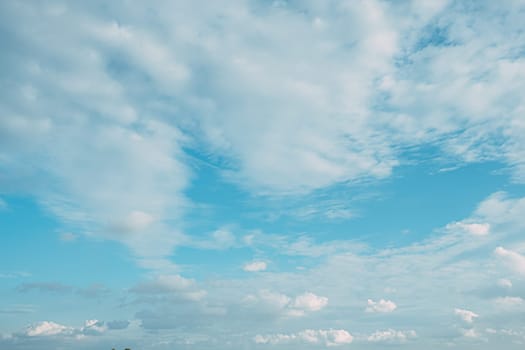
(258, 174)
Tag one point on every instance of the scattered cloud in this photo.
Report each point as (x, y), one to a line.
(281, 304)
(382, 306)
(466, 315)
(475, 229)
(330, 337)
(175, 286)
(391, 335)
(255, 266)
(514, 260)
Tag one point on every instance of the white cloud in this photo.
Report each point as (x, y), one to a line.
(171, 285)
(504, 283)
(510, 302)
(52, 329)
(255, 266)
(470, 333)
(308, 302)
(330, 337)
(466, 315)
(383, 306)
(391, 335)
(281, 304)
(475, 229)
(513, 259)
(47, 328)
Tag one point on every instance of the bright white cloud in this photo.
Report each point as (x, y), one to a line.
(309, 302)
(255, 266)
(47, 328)
(391, 335)
(466, 315)
(514, 260)
(330, 337)
(383, 306)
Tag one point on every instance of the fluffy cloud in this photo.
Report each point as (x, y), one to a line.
(513, 259)
(382, 305)
(282, 304)
(330, 337)
(466, 315)
(391, 335)
(47, 328)
(52, 329)
(255, 266)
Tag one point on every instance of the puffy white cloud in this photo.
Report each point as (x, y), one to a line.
(309, 302)
(514, 260)
(382, 305)
(47, 328)
(391, 335)
(282, 304)
(466, 315)
(255, 266)
(330, 337)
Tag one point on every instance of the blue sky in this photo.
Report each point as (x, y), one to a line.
(262, 174)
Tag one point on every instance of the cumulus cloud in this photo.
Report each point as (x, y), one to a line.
(383, 306)
(514, 260)
(281, 304)
(52, 329)
(466, 315)
(330, 337)
(391, 335)
(255, 266)
(47, 328)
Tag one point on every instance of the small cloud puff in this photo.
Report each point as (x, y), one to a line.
(391, 335)
(255, 266)
(383, 306)
(283, 304)
(513, 259)
(466, 315)
(49, 329)
(330, 337)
